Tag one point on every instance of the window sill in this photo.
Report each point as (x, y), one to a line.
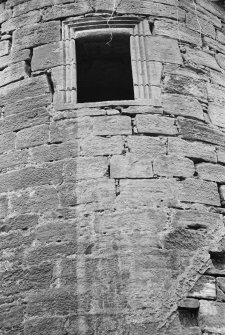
(100, 104)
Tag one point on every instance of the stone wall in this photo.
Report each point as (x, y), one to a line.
(111, 215)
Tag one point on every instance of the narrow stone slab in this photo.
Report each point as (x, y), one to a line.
(204, 288)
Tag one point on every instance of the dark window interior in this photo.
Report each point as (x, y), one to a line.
(104, 68)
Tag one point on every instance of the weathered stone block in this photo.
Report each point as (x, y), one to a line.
(200, 25)
(176, 104)
(150, 222)
(86, 168)
(31, 176)
(100, 146)
(13, 73)
(220, 283)
(139, 192)
(112, 125)
(203, 192)
(39, 326)
(193, 130)
(13, 158)
(54, 152)
(204, 288)
(91, 191)
(29, 88)
(155, 8)
(129, 166)
(201, 58)
(173, 166)
(162, 49)
(21, 21)
(212, 316)
(60, 11)
(146, 146)
(68, 130)
(191, 219)
(4, 48)
(221, 155)
(7, 142)
(21, 222)
(211, 172)
(15, 57)
(154, 124)
(42, 199)
(196, 150)
(211, 7)
(47, 56)
(36, 34)
(185, 85)
(170, 29)
(222, 192)
(31, 137)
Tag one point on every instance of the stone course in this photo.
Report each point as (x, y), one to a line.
(112, 213)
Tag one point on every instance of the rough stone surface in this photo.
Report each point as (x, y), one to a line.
(112, 212)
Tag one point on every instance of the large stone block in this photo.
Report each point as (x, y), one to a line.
(200, 25)
(129, 166)
(36, 34)
(15, 57)
(211, 172)
(41, 326)
(21, 21)
(20, 222)
(155, 8)
(146, 146)
(200, 191)
(101, 146)
(101, 192)
(186, 85)
(197, 131)
(191, 219)
(31, 176)
(163, 49)
(151, 222)
(201, 58)
(42, 199)
(170, 29)
(173, 166)
(13, 73)
(142, 192)
(196, 150)
(112, 125)
(154, 124)
(177, 104)
(54, 152)
(212, 316)
(86, 168)
(47, 56)
(61, 11)
(19, 92)
(31, 137)
(12, 159)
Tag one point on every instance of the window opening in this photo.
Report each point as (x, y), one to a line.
(104, 70)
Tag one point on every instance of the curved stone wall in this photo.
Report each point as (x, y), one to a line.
(111, 213)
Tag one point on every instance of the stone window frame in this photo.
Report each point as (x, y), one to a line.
(139, 31)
